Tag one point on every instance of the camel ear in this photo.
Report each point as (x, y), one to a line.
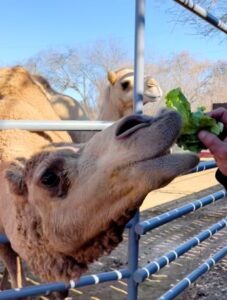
(112, 77)
(15, 177)
(152, 82)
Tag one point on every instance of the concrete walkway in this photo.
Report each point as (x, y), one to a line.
(180, 187)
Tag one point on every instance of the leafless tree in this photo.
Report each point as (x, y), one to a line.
(180, 70)
(82, 72)
(217, 88)
(203, 82)
(79, 72)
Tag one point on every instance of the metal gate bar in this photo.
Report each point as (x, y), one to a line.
(204, 14)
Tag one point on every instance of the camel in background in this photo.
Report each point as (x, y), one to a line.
(117, 101)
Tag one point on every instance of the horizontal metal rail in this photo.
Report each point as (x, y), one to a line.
(145, 226)
(47, 125)
(202, 166)
(45, 289)
(153, 267)
(192, 277)
(3, 239)
(204, 14)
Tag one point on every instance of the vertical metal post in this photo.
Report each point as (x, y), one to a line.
(133, 254)
(139, 56)
(133, 243)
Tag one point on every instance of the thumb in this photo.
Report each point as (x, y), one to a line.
(211, 141)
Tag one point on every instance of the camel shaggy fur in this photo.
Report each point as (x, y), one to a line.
(63, 206)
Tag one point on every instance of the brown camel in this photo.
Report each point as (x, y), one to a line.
(63, 206)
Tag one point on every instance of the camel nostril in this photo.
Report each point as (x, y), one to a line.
(130, 124)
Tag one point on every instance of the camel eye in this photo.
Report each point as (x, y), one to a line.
(50, 179)
(125, 85)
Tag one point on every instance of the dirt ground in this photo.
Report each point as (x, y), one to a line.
(212, 286)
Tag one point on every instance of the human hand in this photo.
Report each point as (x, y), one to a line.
(217, 146)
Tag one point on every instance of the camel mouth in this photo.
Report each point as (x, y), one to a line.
(150, 98)
(164, 152)
(139, 129)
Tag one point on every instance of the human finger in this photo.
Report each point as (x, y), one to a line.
(219, 114)
(211, 141)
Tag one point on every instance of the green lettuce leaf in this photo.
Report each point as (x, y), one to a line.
(193, 122)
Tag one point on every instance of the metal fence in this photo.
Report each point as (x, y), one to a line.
(133, 274)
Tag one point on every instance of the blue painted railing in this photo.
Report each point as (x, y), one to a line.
(141, 274)
(192, 277)
(136, 275)
(143, 227)
(204, 14)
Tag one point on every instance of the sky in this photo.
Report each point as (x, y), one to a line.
(29, 26)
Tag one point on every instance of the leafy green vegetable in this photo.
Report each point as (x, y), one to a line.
(193, 122)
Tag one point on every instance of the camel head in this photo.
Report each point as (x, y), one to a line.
(74, 203)
(121, 84)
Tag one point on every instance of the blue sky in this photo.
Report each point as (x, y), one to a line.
(29, 26)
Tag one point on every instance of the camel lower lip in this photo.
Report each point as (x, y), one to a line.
(167, 152)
